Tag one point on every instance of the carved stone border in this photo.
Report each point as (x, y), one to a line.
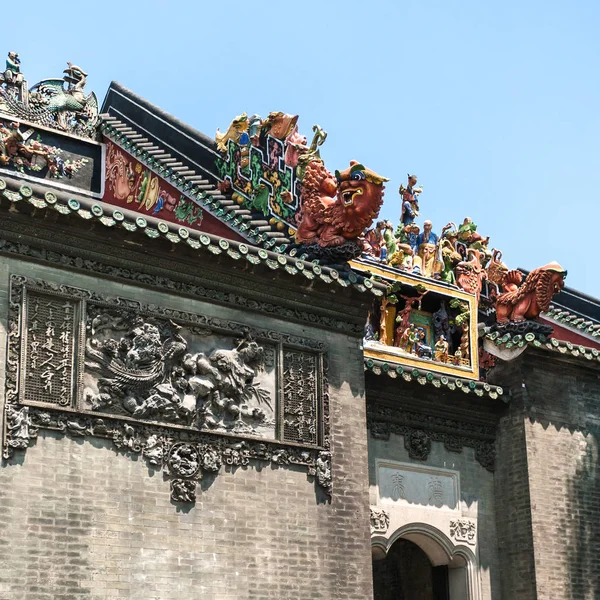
(419, 430)
(156, 442)
(158, 277)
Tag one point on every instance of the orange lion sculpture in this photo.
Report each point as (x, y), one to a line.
(533, 297)
(337, 210)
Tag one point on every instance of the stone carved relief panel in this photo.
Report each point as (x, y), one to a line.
(154, 369)
(163, 383)
(300, 394)
(463, 530)
(407, 484)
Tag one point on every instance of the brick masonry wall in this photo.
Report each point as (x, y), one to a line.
(80, 520)
(562, 449)
(550, 489)
(513, 517)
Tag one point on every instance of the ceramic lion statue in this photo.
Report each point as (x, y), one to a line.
(533, 297)
(338, 209)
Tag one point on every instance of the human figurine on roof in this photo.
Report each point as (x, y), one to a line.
(441, 349)
(426, 246)
(410, 202)
(427, 236)
(389, 240)
(13, 69)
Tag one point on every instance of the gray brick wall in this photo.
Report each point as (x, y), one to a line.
(80, 520)
(548, 484)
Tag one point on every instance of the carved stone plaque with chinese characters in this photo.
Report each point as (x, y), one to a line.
(300, 397)
(48, 356)
(163, 383)
(409, 484)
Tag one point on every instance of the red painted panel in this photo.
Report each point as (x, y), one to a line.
(570, 335)
(131, 185)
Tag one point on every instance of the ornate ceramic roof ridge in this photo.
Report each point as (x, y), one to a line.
(574, 320)
(113, 216)
(392, 271)
(509, 341)
(424, 376)
(196, 187)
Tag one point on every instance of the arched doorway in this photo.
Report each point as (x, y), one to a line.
(406, 573)
(418, 562)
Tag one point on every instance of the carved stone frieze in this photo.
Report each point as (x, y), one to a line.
(463, 530)
(159, 278)
(380, 521)
(420, 429)
(162, 383)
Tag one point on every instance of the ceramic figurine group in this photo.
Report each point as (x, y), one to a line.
(457, 256)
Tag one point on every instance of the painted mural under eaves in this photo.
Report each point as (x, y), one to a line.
(131, 185)
(60, 103)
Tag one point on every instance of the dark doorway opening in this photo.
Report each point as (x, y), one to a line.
(406, 573)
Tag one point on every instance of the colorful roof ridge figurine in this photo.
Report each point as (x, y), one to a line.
(534, 296)
(337, 211)
(12, 74)
(410, 200)
(57, 103)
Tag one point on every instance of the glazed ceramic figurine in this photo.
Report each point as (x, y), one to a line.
(426, 246)
(12, 74)
(411, 339)
(470, 273)
(441, 349)
(410, 202)
(336, 211)
(237, 127)
(534, 296)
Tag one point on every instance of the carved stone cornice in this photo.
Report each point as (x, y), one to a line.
(181, 277)
(419, 429)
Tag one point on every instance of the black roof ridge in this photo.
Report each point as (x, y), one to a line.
(164, 115)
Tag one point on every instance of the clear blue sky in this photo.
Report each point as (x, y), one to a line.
(495, 106)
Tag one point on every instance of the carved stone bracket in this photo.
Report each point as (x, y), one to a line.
(463, 530)
(163, 383)
(419, 430)
(380, 521)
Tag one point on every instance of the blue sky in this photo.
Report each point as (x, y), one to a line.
(495, 106)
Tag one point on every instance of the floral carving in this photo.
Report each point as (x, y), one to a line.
(380, 521)
(323, 467)
(19, 429)
(418, 444)
(463, 530)
(183, 490)
(184, 460)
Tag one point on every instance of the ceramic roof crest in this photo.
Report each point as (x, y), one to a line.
(270, 168)
(57, 103)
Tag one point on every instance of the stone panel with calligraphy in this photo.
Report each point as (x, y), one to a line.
(49, 349)
(408, 484)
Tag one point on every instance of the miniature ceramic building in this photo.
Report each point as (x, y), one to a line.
(223, 378)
